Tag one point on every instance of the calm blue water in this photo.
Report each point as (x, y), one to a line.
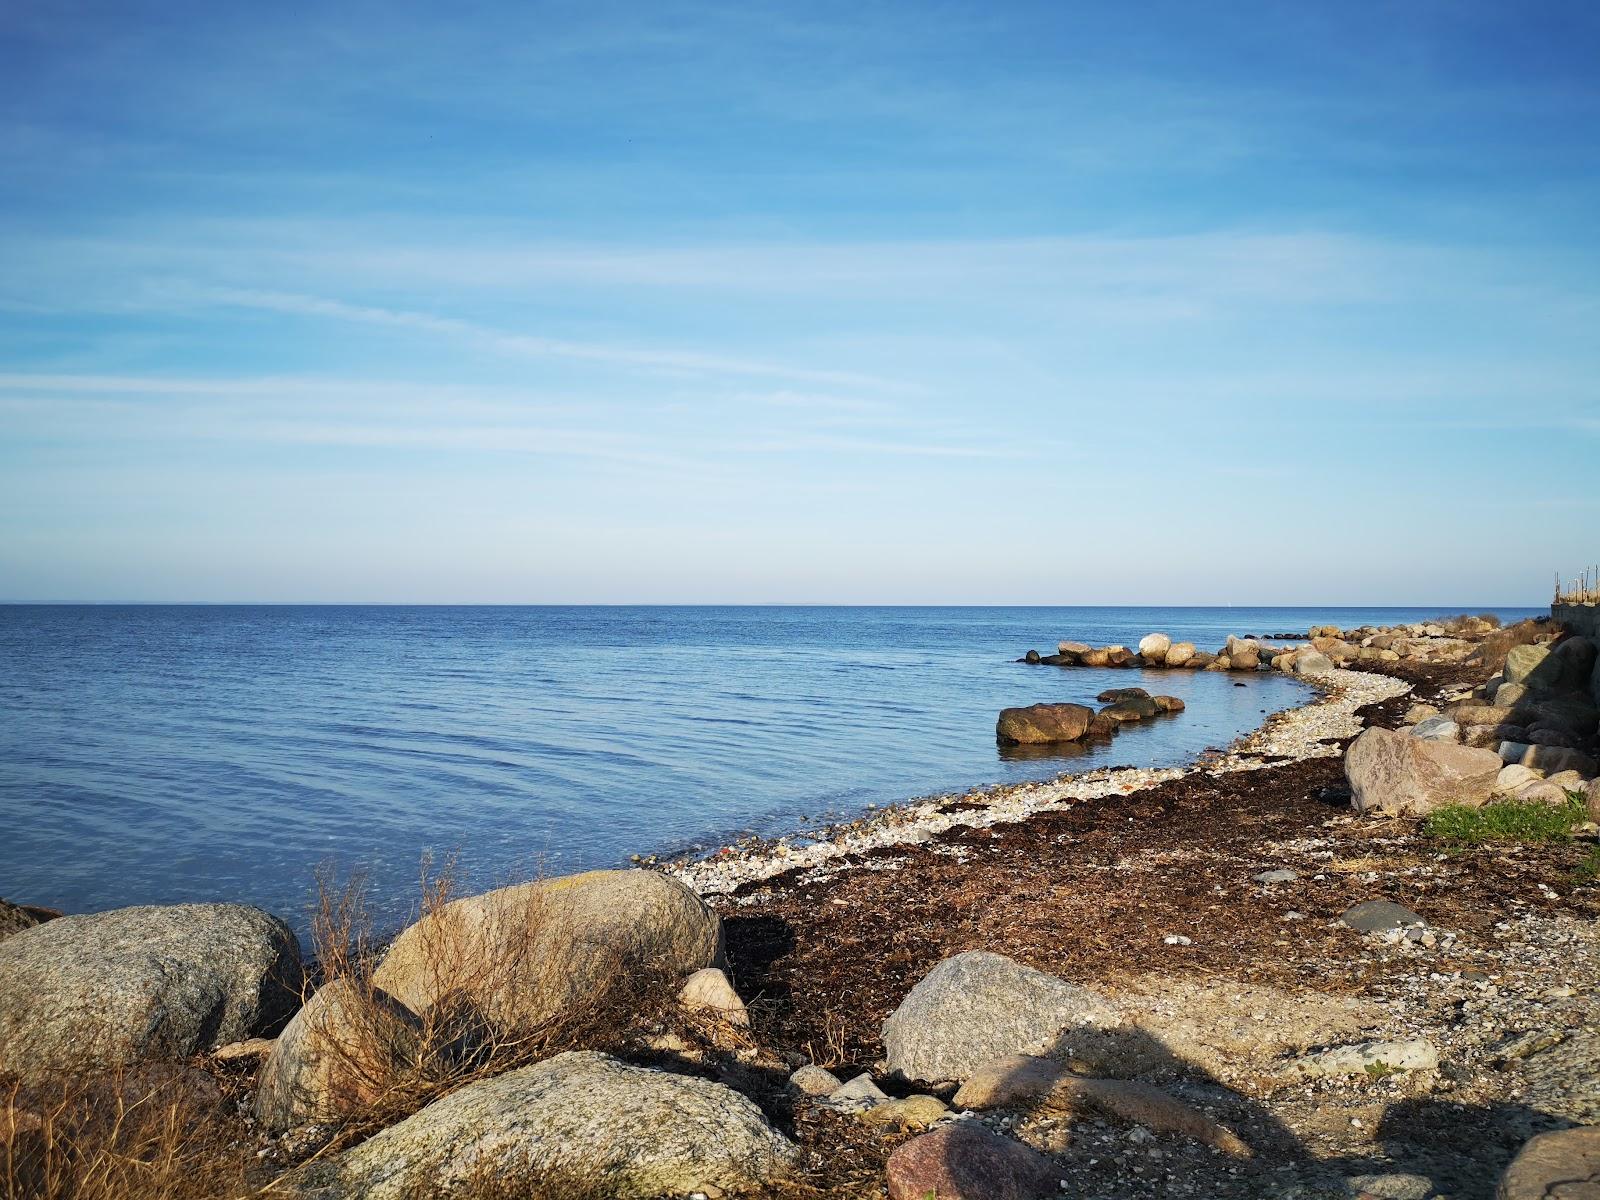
(162, 754)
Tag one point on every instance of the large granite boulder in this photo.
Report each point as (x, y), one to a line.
(521, 955)
(1532, 667)
(1153, 647)
(1179, 653)
(965, 1160)
(1042, 724)
(106, 990)
(341, 1053)
(622, 1130)
(977, 1006)
(1394, 773)
(1564, 1165)
(1310, 662)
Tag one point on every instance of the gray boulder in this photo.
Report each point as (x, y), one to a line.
(1436, 729)
(1400, 775)
(978, 1006)
(520, 955)
(627, 1131)
(135, 985)
(1534, 666)
(1564, 1165)
(1312, 662)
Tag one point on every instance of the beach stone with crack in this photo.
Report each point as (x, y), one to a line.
(977, 1006)
(339, 1054)
(967, 1161)
(105, 990)
(1379, 916)
(1394, 773)
(1564, 1165)
(520, 955)
(640, 1132)
(1042, 724)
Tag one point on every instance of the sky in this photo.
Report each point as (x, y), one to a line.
(1054, 303)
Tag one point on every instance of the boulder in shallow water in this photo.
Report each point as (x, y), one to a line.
(632, 1131)
(1179, 653)
(1075, 648)
(1400, 775)
(520, 955)
(1112, 695)
(978, 1006)
(135, 985)
(1042, 724)
(1168, 704)
(1134, 708)
(1153, 647)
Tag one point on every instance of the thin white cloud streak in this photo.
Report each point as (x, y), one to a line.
(540, 347)
(301, 411)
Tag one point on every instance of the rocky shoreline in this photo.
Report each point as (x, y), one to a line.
(1291, 968)
(1300, 732)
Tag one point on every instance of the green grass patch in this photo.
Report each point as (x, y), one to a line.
(1507, 821)
(1588, 871)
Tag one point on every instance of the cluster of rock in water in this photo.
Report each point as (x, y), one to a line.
(978, 1037)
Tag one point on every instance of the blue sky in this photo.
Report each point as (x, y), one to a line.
(1013, 303)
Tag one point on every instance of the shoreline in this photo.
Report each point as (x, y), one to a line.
(1300, 732)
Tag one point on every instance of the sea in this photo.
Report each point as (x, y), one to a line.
(165, 754)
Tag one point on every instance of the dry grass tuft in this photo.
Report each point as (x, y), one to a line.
(479, 966)
(125, 1136)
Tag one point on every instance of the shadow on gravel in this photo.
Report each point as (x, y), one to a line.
(1122, 1116)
